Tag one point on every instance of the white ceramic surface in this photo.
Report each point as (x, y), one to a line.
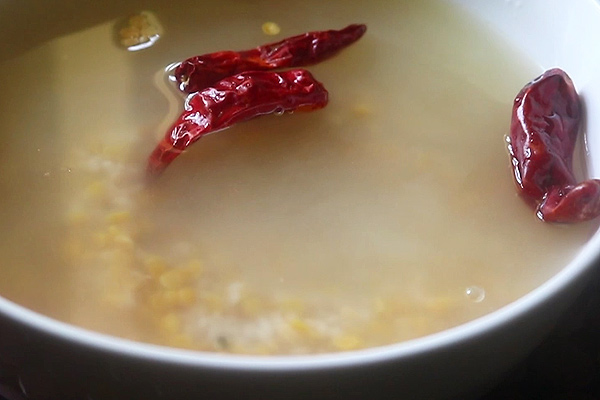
(562, 33)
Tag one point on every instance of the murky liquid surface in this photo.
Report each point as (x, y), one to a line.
(388, 215)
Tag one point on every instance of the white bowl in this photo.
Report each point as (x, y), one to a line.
(457, 362)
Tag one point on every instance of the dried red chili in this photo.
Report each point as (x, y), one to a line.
(235, 99)
(198, 72)
(546, 121)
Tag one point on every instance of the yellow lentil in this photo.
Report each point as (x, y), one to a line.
(440, 304)
(124, 240)
(362, 110)
(96, 189)
(181, 340)
(186, 296)
(170, 298)
(271, 28)
(195, 267)
(174, 278)
(154, 265)
(300, 326)
(118, 217)
(347, 342)
(170, 324)
(251, 305)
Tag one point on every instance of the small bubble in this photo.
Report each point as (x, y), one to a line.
(47, 174)
(475, 294)
(279, 111)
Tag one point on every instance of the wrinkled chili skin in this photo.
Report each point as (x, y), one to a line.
(545, 124)
(235, 99)
(198, 72)
(546, 121)
(571, 203)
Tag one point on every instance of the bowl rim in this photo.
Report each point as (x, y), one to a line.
(454, 336)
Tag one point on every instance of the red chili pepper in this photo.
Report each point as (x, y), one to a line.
(235, 99)
(546, 121)
(198, 72)
(572, 203)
